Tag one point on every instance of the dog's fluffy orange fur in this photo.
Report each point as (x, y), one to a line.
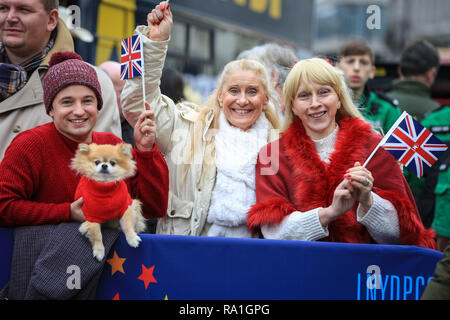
(109, 163)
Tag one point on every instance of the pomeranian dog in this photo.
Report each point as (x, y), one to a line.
(105, 194)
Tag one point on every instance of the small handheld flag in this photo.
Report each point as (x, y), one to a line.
(411, 144)
(131, 59)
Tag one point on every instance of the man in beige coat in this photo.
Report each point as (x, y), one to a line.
(25, 30)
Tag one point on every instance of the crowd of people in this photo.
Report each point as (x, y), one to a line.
(276, 152)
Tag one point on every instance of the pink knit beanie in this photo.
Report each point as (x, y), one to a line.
(68, 68)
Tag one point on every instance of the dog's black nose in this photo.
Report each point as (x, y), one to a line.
(104, 166)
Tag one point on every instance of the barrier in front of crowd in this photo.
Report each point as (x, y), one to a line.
(194, 268)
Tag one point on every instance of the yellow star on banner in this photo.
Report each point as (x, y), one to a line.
(116, 263)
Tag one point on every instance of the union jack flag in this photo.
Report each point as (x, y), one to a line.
(131, 59)
(413, 145)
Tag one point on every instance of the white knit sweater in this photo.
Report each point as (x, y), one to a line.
(234, 191)
(381, 220)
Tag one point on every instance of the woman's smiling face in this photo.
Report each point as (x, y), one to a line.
(316, 106)
(242, 98)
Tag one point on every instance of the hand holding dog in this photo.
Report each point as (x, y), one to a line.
(145, 129)
(76, 213)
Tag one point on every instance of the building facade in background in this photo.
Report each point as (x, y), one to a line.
(400, 21)
(209, 33)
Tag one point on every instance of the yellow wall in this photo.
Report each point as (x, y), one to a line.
(115, 22)
(262, 6)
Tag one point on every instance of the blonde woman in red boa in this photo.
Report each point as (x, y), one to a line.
(310, 184)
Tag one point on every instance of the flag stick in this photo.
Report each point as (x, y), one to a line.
(383, 141)
(143, 89)
(143, 70)
(144, 98)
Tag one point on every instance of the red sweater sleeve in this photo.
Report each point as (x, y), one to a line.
(272, 191)
(151, 183)
(21, 172)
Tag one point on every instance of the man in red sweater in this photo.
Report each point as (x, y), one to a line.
(37, 185)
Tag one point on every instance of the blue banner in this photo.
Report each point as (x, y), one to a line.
(6, 244)
(179, 268)
(194, 268)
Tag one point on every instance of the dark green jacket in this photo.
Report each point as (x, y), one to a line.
(432, 192)
(379, 110)
(439, 123)
(439, 287)
(413, 97)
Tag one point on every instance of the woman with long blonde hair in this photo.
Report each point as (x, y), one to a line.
(211, 151)
(320, 190)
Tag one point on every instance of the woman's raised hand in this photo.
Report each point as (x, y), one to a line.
(160, 22)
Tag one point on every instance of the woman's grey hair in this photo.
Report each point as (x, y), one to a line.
(274, 57)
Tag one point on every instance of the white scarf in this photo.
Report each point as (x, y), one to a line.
(236, 155)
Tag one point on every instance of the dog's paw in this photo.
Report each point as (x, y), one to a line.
(133, 240)
(83, 229)
(99, 252)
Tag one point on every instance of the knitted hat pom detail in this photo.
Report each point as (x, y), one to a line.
(68, 68)
(59, 57)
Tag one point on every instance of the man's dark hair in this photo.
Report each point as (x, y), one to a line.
(418, 58)
(49, 5)
(356, 47)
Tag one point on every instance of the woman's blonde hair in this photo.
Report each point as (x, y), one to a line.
(319, 71)
(212, 105)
